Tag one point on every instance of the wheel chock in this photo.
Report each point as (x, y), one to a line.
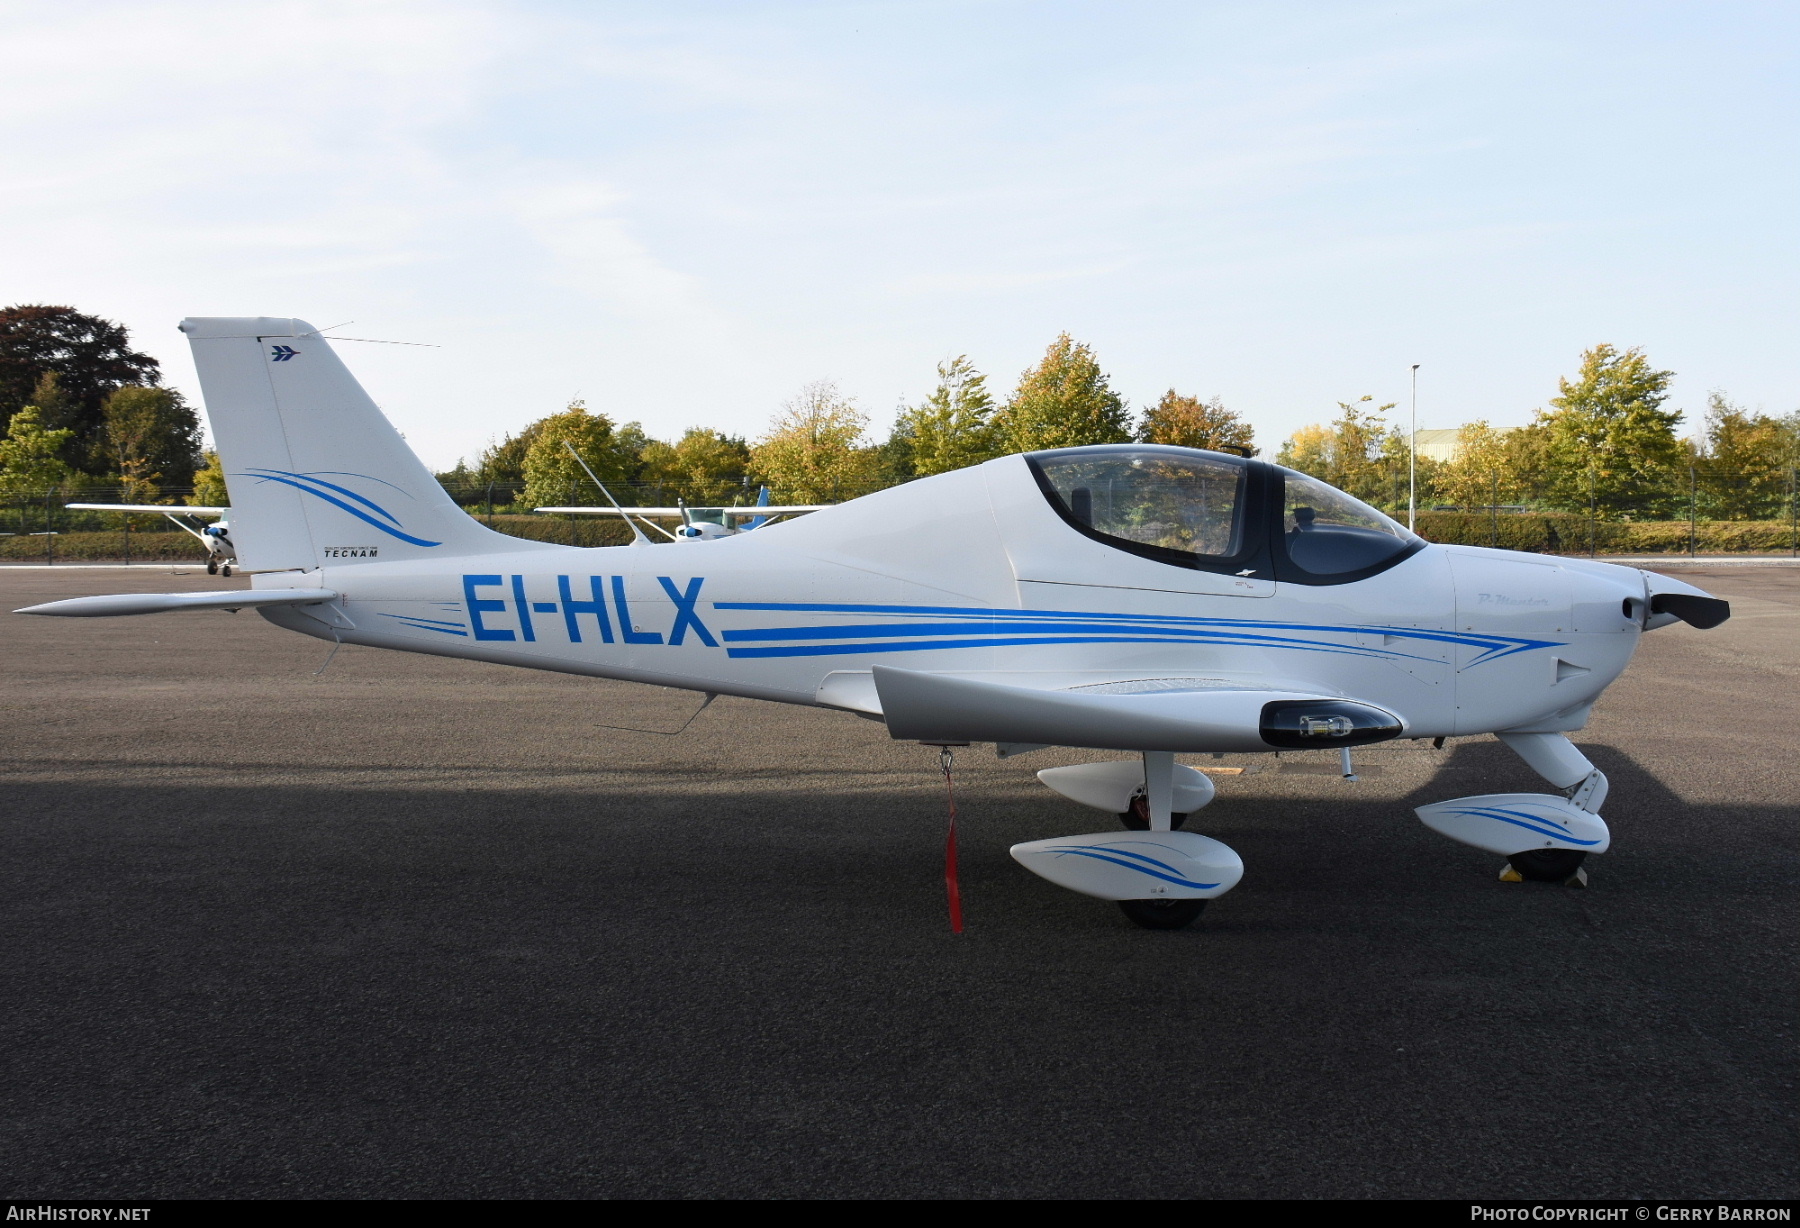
(1510, 875)
(1577, 879)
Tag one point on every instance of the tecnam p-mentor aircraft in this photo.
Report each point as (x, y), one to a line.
(1128, 597)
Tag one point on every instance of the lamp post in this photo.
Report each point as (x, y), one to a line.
(1412, 458)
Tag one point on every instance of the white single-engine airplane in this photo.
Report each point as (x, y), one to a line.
(699, 522)
(1127, 597)
(216, 537)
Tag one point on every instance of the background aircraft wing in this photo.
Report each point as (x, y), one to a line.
(161, 509)
(735, 513)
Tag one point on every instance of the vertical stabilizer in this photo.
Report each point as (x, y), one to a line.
(317, 474)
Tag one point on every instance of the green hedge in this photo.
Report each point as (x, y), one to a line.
(106, 547)
(569, 530)
(1561, 533)
(1549, 533)
(159, 546)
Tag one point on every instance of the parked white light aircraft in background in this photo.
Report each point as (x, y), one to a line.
(216, 537)
(1127, 597)
(699, 523)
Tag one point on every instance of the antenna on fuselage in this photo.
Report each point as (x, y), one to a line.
(637, 534)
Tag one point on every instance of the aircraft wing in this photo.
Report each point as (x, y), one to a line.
(161, 509)
(164, 603)
(733, 513)
(1144, 714)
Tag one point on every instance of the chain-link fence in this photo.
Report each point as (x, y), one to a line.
(1697, 513)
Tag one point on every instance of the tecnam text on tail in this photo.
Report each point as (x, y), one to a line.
(1128, 597)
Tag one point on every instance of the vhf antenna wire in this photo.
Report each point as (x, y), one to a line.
(637, 534)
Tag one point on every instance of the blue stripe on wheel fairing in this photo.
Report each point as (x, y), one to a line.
(1110, 855)
(1530, 822)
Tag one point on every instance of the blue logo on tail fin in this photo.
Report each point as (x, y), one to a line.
(330, 492)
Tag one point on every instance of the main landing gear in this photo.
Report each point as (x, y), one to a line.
(1163, 914)
(1157, 914)
(1137, 815)
(1160, 876)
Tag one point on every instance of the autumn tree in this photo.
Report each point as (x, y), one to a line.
(31, 455)
(951, 428)
(703, 467)
(151, 440)
(813, 451)
(1607, 438)
(1480, 474)
(503, 463)
(209, 483)
(1189, 422)
(1351, 452)
(552, 475)
(1745, 462)
(90, 358)
(1065, 401)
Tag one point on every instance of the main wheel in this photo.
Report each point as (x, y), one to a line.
(225, 570)
(1163, 914)
(1547, 865)
(1138, 817)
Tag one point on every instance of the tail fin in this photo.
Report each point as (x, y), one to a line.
(317, 475)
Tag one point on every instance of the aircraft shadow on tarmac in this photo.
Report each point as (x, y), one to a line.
(560, 991)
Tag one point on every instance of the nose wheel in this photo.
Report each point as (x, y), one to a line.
(1547, 865)
(1162, 914)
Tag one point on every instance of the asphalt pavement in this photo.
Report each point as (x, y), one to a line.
(427, 928)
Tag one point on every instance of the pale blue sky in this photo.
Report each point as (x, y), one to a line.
(682, 212)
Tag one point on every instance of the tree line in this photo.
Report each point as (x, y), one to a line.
(84, 410)
(1606, 445)
(818, 448)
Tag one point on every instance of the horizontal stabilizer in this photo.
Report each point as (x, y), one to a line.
(115, 604)
(938, 707)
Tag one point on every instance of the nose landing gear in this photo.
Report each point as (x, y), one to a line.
(1546, 866)
(1543, 837)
